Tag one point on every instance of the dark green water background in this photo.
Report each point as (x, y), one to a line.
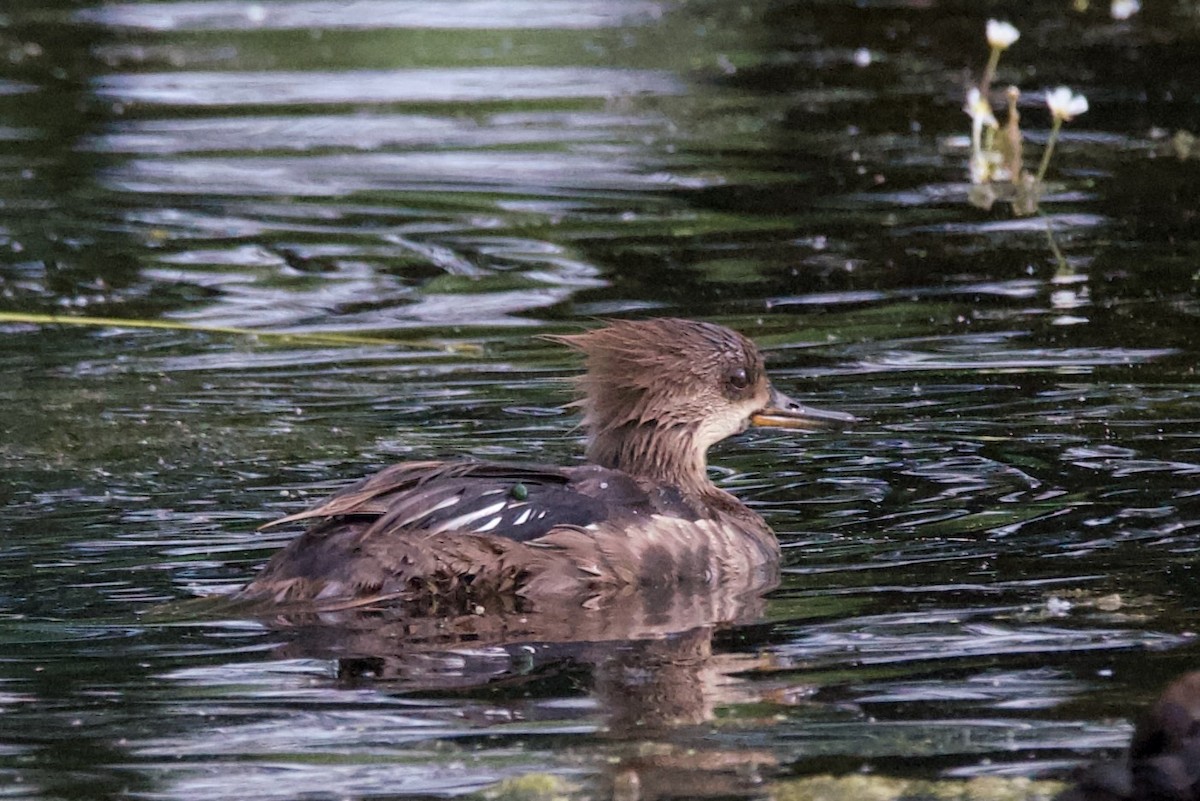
(987, 577)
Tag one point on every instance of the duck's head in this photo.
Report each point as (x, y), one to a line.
(658, 393)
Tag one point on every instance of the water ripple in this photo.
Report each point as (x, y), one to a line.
(223, 15)
(351, 87)
(573, 174)
(954, 634)
(365, 132)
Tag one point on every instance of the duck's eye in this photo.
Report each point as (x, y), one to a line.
(737, 379)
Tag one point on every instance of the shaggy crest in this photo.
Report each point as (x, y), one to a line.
(657, 393)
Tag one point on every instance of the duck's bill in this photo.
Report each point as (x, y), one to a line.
(783, 412)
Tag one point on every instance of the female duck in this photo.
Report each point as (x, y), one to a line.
(641, 514)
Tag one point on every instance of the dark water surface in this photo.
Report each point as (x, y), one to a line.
(987, 577)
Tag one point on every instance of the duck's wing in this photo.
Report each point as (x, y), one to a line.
(469, 535)
(514, 501)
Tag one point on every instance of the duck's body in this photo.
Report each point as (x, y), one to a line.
(469, 533)
(642, 514)
(1163, 761)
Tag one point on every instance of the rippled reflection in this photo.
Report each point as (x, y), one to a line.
(372, 14)
(986, 577)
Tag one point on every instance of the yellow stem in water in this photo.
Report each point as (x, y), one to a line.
(1054, 129)
(1059, 259)
(316, 338)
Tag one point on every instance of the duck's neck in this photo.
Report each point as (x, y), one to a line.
(666, 455)
(672, 457)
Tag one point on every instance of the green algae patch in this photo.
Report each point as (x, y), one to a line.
(884, 788)
(528, 787)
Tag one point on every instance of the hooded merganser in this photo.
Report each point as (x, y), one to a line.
(641, 514)
(1163, 761)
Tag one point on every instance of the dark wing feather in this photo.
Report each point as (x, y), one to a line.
(510, 500)
(460, 531)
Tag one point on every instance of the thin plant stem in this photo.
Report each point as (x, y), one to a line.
(1059, 259)
(989, 72)
(299, 338)
(1054, 129)
(1011, 143)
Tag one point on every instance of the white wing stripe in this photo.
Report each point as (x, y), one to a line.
(464, 521)
(408, 521)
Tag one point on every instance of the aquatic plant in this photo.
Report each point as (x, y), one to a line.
(980, 111)
(1064, 106)
(996, 164)
(1000, 37)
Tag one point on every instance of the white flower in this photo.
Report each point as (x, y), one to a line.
(1124, 9)
(979, 109)
(981, 114)
(1001, 35)
(1065, 104)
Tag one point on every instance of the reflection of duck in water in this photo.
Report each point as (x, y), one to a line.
(642, 516)
(1163, 763)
